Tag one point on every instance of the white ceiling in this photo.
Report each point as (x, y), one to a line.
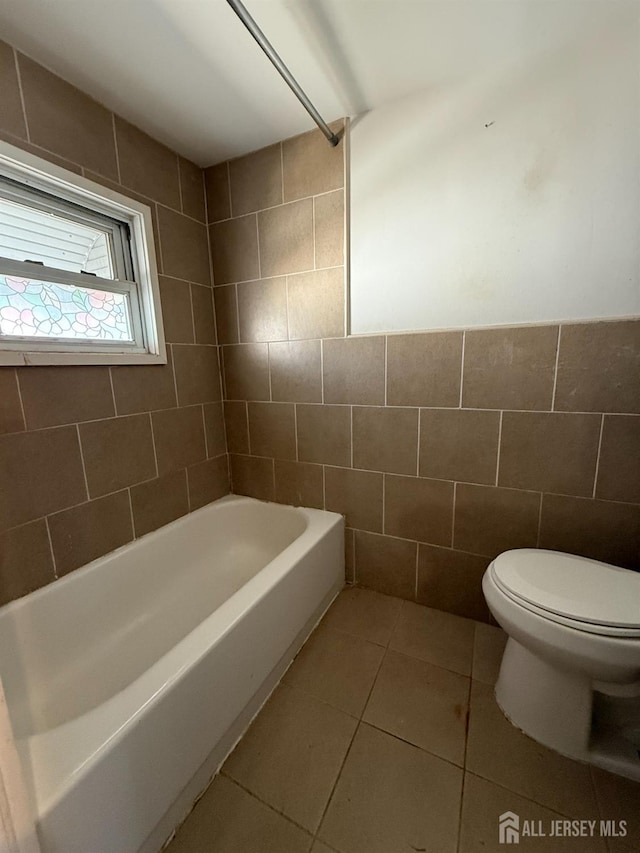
(188, 73)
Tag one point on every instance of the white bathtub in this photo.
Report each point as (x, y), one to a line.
(129, 680)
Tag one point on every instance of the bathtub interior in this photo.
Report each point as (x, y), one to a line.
(69, 647)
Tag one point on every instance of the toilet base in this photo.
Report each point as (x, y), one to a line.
(555, 708)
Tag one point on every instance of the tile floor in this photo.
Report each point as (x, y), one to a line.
(384, 737)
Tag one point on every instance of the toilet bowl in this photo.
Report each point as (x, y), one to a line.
(570, 674)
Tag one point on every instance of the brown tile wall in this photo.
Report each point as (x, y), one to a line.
(91, 457)
(442, 449)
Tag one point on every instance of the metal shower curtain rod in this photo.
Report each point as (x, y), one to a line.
(284, 72)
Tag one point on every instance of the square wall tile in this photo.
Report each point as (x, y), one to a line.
(296, 371)
(459, 444)
(358, 495)
(509, 368)
(144, 387)
(117, 452)
(226, 303)
(236, 422)
(601, 530)
(214, 429)
(26, 562)
(286, 238)
(177, 313)
(619, 466)
(316, 304)
(424, 369)
(61, 395)
(452, 581)
(234, 250)
(392, 796)
(246, 372)
(208, 481)
(311, 165)
(324, 434)
(197, 374)
(11, 418)
(598, 368)
(490, 520)
(354, 371)
(299, 484)
(179, 438)
(252, 476)
(418, 509)
(386, 565)
(41, 473)
(256, 180)
(160, 501)
(549, 452)
(272, 430)
(291, 756)
(184, 246)
(147, 166)
(203, 317)
(422, 704)
(12, 117)
(328, 213)
(192, 189)
(262, 309)
(216, 184)
(66, 121)
(385, 439)
(86, 532)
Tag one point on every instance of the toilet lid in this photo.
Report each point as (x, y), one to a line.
(575, 587)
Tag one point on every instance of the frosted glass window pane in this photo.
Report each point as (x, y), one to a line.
(40, 309)
(27, 233)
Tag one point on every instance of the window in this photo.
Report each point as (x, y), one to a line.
(78, 280)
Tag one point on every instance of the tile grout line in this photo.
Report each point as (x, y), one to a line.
(84, 469)
(313, 229)
(133, 523)
(20, 400)
(555, 370)
(193, 314)
(153, 444)
(113, 393)
(419, 442)
(53, 555)
(258, 248)
(295, 430)
(499, 446)
(204, 428)
(21, 91)
(322, 371)
(351, 436)
(595, 476)
(453, 517)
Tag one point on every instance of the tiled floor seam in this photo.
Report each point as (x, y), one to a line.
(268, 805)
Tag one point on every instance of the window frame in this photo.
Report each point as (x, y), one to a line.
(142, 290)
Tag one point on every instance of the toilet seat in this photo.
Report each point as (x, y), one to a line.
(582, 594)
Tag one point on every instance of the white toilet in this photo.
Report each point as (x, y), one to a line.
(570, 675)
